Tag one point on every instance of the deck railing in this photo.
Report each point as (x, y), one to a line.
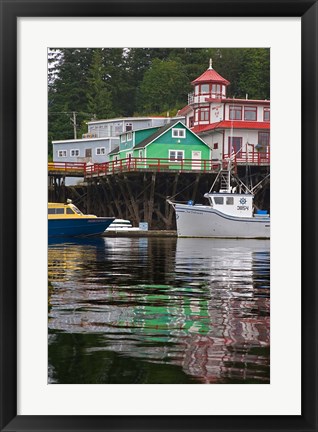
(249, 158)
(67, 168)
(156, 164)
(152, 164)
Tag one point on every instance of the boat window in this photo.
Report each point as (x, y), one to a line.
(229, 200)
(218, 200)
(56, 211)
(76, 210)
(69, 211)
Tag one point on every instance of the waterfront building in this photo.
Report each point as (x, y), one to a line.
(102, 137)
(170, 145)
(115, 127)
(87, 149)
(230, 126)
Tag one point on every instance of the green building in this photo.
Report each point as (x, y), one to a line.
(172, 146)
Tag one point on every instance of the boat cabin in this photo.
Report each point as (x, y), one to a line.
(120, 223)
(68, 210)
(239, 205)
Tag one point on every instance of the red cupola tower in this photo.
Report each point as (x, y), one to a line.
(207, 98)
(209, 85)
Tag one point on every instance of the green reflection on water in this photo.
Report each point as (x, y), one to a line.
(163, 312)
(159, 315)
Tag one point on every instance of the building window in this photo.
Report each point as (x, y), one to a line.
(118, 129)
(204, 114)
(263, 140)
(178, 133)
(215, 146)
(216, 89)
(176, 155)
(266, 116)
(250, 113)
(205, 88)
(235, 113)
(74, 152)
(128, 127)
(123, 138)
(88, 153)
(129, 136)
(62, 153)
(100, 150)
(191, 122)
(129, 155)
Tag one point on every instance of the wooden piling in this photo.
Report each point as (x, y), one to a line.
(142, 196)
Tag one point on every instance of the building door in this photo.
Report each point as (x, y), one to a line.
(196, 160)
(235, 146)
(88, 153)
(263, 144)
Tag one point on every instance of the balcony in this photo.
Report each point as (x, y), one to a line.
(196, 99)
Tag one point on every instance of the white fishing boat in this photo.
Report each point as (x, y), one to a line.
(230, 213)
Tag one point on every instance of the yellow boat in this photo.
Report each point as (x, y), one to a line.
(66, 220)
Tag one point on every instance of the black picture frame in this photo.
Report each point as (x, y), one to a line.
(10, 11)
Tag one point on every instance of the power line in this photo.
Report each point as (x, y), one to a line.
(72, 119)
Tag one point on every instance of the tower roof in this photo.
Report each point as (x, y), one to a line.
(210, 75)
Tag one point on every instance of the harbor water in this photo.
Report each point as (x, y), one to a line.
(159, 311)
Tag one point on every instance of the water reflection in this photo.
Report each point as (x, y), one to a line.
(159, 310)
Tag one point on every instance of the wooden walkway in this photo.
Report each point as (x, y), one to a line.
(67, 169)
(157, 165)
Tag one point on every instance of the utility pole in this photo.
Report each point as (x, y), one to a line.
(73, 121)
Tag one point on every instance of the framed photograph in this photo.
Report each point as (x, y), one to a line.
(254, 369)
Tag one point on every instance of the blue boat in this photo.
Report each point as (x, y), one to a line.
(66, 220)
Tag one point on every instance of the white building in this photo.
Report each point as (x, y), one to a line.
(101, 139)
(231, 127)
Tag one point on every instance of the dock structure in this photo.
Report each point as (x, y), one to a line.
(138, 190)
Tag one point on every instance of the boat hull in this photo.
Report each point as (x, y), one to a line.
(78, 227)
(204, 221)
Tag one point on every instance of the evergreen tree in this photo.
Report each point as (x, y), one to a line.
(255, 77)
(164, 87)
(99, 97)
(115, 82)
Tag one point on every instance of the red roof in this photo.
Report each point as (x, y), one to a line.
(184, 110)
(247, 101)
(210, 75)
(228, 124)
